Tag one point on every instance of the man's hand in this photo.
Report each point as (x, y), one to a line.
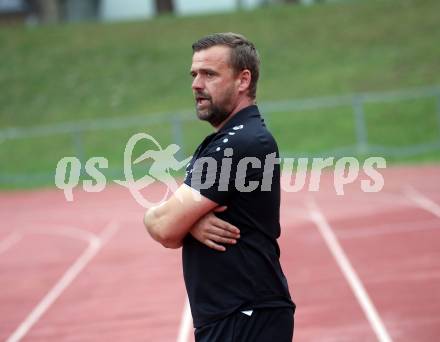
(210, 230)
(169, 222)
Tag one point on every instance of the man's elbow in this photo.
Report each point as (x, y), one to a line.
(172, 244)
(160, 233)
(167, 240)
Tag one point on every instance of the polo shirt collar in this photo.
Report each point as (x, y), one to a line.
(240, 117)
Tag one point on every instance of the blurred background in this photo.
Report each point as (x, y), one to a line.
(338, 78)
(80, 77)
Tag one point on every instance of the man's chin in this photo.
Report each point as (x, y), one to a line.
(203, 115)
(213, 117)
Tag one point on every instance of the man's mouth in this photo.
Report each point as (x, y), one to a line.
(200, 100)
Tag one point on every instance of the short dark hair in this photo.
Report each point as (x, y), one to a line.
(244, 55)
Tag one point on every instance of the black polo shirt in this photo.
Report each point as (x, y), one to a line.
(236, 167)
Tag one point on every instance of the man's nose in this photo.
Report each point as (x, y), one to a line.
(197, 83)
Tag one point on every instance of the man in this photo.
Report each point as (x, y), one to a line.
(226, 214)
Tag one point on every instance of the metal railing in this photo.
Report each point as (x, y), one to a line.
(175, 121)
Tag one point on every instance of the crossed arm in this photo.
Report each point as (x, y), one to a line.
(186, 211)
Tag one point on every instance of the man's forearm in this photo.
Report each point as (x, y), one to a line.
(153, 226)
(169, 222)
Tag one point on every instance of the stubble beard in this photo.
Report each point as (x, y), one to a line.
(216, 113)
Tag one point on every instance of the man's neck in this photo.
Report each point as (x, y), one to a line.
(242, 104)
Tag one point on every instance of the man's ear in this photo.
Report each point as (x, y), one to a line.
(245, 80)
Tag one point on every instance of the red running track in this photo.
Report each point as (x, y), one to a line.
(361, 267)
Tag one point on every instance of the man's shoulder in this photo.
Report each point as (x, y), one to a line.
(242, 144)
(257, 140)
(251, 135)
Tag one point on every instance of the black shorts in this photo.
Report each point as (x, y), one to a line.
(264, 325)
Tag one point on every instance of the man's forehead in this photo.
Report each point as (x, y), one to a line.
(215, 55)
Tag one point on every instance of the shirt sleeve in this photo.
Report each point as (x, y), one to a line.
(211, 174)
(220, 173)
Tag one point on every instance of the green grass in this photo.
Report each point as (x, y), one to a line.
(313, 131)
(95, 71)
(403, 123)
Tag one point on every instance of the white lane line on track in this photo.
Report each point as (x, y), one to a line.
(185, 323)
(389, 229)
(61, 230)
(8, 242)
(349, 273)
(95, 244)
(422, 201)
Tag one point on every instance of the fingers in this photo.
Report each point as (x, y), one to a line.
(220, 232)
(216, 231)
(220, 209)
(217, 236)
(225, 226)
(221, 239)
(213, 245)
